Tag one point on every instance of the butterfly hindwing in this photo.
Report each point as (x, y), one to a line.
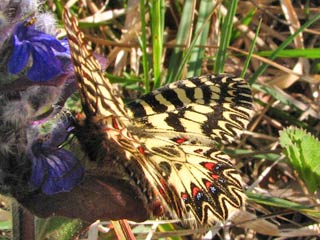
(202, 177)
(179, 126)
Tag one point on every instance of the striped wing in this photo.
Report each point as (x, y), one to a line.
(170, 133)
(180, 125)
(102, 131)
(97, 95)
(208, 108)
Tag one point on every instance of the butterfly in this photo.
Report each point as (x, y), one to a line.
(167, 140)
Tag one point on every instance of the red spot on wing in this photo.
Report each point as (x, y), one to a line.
(164, 187)
(141, 150)
(198, 150)
(184, 196)
(209, 165)
(181, 140)
(215, 176)
(208, 184)
(115, 123)
(195, 191)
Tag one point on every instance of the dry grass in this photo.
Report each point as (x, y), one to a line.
(286, 93)
(279, 206)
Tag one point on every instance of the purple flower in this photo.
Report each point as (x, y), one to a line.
(43, 48)
(54, 169)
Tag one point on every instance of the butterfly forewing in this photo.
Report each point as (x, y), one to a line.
(172, 134)
(95, 90)
(208, 107)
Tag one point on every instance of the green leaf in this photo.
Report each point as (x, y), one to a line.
(5, 225)
(188, 52)
(245, 152)
(157, 10)
(246, 20)
(57, 228)
(196, 58)
(143, 44)
(252, 46)
(282, 46)
(311, 53)
(303, 152)
(283, 203)
(183, 36)
(226, 33)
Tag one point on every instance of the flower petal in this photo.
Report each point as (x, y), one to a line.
(52, 42)
(64, 172)
(45, 66)
(44, 49)
(19, 57)
(38, 171)
(54, 169)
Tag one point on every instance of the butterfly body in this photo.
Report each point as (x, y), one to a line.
(99, 135)
(167, 139)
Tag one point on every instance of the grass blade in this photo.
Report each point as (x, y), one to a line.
(157, 23)
(143, 45)
(283, 45)
(183, 38)
(226, 33)
(247, 62)
(197, 54)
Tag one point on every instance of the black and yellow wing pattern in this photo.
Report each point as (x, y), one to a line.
(171, 134)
